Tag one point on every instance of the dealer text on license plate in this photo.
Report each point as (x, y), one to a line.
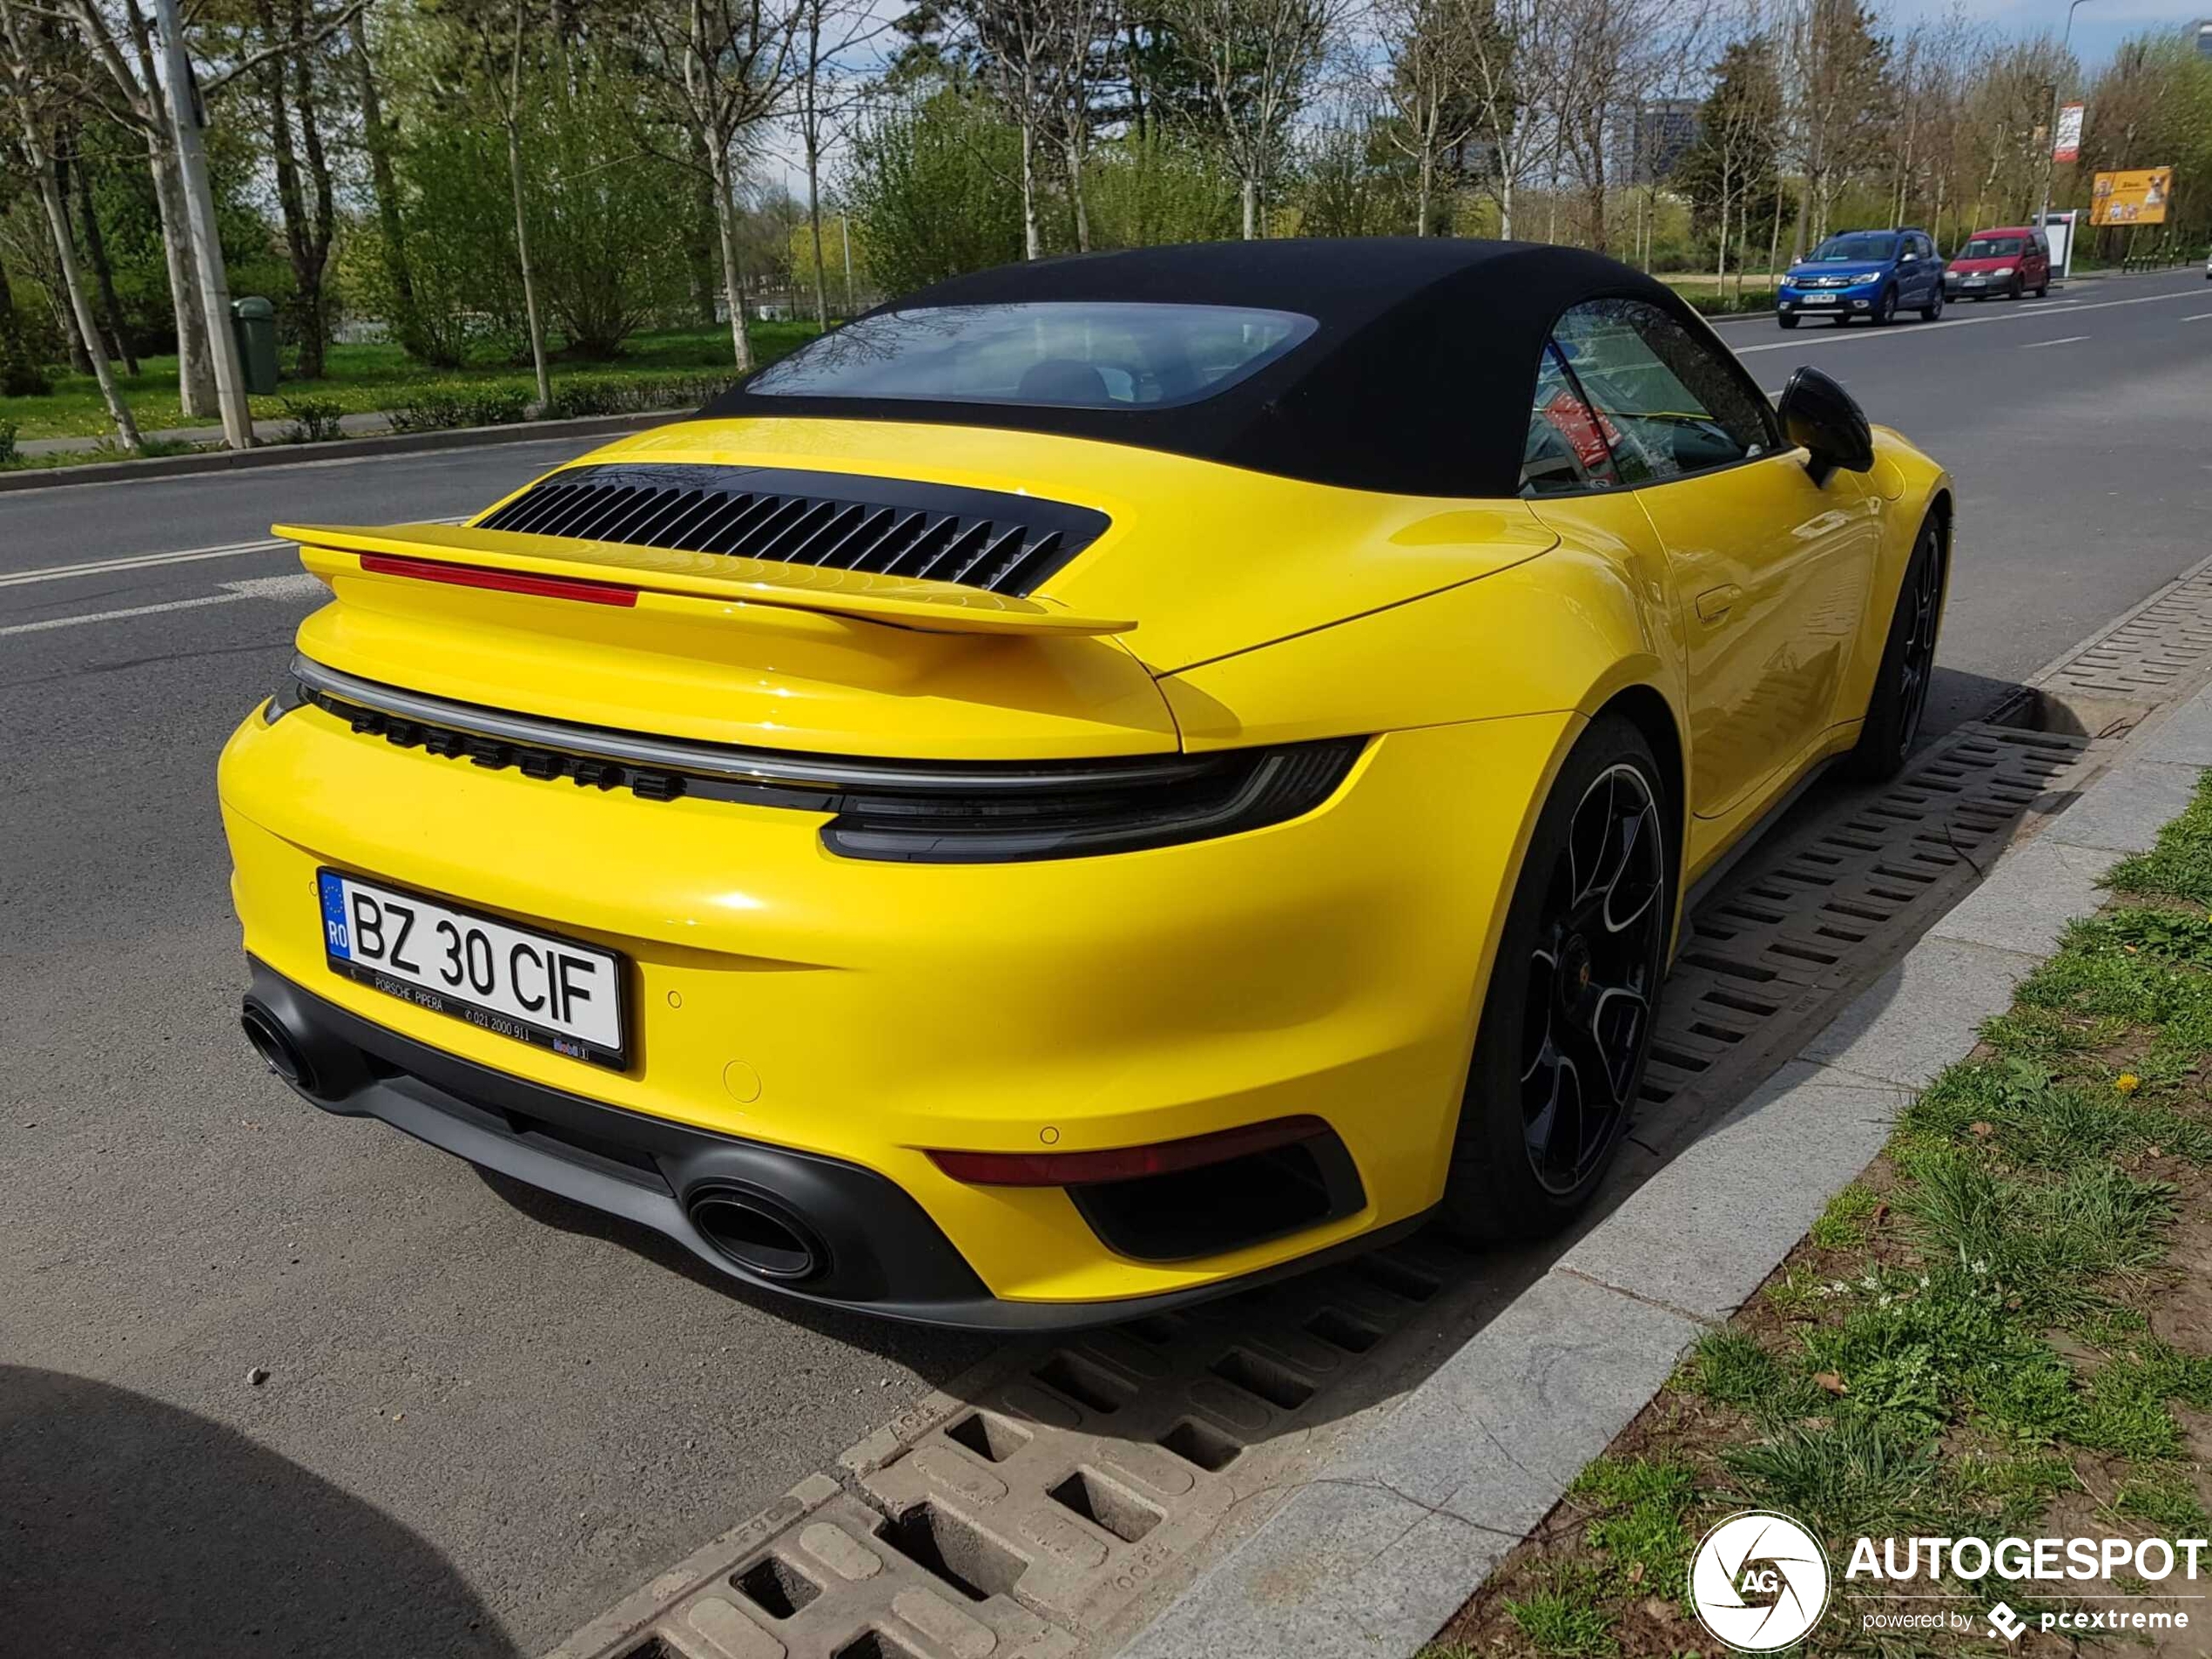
(512, 980)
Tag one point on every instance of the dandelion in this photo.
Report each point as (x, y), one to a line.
(2128, 1082)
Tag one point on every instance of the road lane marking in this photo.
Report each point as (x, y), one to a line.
(1919, 328)
(2070, 339)
(150, 561)
(2202, 316)
(260, 587)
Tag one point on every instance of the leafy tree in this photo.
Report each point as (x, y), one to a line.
(1729, 170)
(929, 187)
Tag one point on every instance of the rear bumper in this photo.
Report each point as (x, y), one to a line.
(885, 1256)
(860, 1014)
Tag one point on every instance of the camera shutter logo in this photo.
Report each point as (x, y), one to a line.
(1759, 1581)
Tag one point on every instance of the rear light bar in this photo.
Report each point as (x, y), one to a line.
(1124, 1162)
(479, 576)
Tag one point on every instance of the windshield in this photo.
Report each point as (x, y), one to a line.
(1991, 248)
(1062, 353)
(1865, 246)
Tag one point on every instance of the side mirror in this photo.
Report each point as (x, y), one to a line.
(1825, 420)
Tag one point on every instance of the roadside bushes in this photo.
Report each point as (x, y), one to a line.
(439, 408)
(314, 419)
(632, 395)
(7, 442)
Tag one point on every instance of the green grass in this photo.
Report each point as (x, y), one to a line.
(1950, 1369)
(362, 378)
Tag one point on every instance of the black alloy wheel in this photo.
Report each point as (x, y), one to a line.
(1907, 670)
(1568, 1013)
(1592, 979)
(1922, 601)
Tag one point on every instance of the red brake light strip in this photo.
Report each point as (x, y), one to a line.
(479, 576)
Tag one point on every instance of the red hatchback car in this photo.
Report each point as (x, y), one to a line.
(2012, 262)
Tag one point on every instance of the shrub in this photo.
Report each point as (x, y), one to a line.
(7, 442)
(314, 419)
(439, 409)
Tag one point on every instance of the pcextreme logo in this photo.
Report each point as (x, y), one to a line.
(1759, 1581)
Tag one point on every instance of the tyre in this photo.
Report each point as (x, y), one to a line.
(1787, 319)
(1901, 682)
(1567, 1022)
(1933, 309)
(2042, 290)
(1885, 309)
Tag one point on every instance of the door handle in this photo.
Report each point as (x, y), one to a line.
(1714, 603)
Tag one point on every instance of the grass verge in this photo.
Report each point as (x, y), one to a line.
(359, 379)
(2004, 1327)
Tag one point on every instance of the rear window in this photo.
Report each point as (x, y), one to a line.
(1993, 247)
(1077, 354)
(1837, 248)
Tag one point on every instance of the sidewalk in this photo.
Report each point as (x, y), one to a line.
(1376, 1553)
(362, 425)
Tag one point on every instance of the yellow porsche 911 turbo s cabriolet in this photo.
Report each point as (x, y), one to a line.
(1091, 786)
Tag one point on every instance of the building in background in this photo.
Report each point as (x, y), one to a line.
(1651, 138)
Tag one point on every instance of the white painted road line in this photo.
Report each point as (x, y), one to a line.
(299, 586)
(1913, 331)
(2069, 339)
(150, 561)
(137, 562)
(2202, 316)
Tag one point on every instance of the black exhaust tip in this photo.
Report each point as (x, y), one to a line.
(758, 1235)
(277, 1047)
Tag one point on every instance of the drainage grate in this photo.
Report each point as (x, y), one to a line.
(1815, 915)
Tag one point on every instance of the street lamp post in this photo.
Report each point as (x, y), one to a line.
(2051, 132)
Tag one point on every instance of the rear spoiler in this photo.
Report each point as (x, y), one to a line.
(616, 568)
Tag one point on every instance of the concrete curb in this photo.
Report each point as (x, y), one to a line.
(295, 455)
(1374, 1554)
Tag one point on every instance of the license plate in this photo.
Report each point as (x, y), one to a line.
(516, 981)
(1820, 299)
(1975, 282)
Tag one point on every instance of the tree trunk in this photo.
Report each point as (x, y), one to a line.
(725, 220)
(102, 272)
(522, 219)
(1505, 204)
(83, 339)
(406, 325)
(814, 222)
(195, 364)
(1250, 193)
(1032, 239)
(1075, 190)
(322, 227)
(126, 429)
(1428, 176)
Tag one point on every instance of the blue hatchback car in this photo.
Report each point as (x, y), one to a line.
(1873, 274)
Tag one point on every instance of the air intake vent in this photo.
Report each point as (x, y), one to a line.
(980, 538)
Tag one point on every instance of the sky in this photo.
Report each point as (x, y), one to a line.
(2098, 28)
(2098, 25)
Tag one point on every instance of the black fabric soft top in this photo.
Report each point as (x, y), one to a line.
(1418, 379)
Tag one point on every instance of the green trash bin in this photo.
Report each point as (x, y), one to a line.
(254, 324)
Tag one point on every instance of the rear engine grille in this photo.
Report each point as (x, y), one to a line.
(980, 538)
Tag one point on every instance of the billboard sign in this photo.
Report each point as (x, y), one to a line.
(2137, 198)
(2068, 145)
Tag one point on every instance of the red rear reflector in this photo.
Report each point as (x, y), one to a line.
(1125, 1162)
(479, 576)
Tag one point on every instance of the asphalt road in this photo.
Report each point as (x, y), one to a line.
(486, 1414)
